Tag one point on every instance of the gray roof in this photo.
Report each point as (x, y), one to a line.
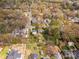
(13, 55)
(34, 20)
(74, 19)
(76, 53)
(68, 53)
(33, 56)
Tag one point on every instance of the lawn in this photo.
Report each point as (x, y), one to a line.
(3, 54)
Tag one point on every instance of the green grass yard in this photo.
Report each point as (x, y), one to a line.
(3, 53)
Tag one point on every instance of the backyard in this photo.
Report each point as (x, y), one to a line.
(4, 52)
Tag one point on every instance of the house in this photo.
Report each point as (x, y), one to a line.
(41, 52)
(33, 56)
(52, 50)
(76, 53)
(34, 32)
(69, 54)
(76, 5)
(75, 19)
(71, 43)
(34, 20)
(47, 21)
(54, 1)
(21, 32)
(40, 30)
(8, 5)
(47, 57)
(1, 49)
(14, 55)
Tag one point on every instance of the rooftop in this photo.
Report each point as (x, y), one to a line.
(14, 55)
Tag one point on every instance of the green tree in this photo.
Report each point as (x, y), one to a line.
(53, 32)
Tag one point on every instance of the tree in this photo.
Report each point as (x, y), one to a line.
(53, 32)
